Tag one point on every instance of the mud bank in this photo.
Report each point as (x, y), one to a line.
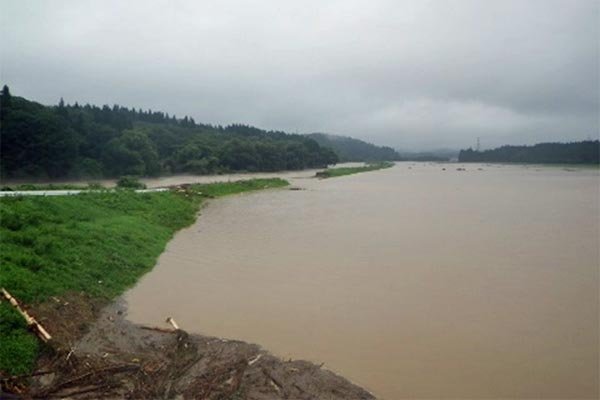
(97, 353)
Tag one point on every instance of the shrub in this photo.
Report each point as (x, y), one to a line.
(130, 182)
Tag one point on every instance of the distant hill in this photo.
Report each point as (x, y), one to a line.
(75, 141)
(585, 152)
(350, 149)
(440, 155)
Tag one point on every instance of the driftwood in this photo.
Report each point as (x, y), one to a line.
(97, 374)
(156, 328)
(273, 381)
(255, 359)
(15, 378)
(173, 323)
(31, 322)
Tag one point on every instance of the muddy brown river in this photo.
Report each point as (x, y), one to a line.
(413, 282)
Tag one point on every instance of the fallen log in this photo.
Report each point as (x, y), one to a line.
(31, 322)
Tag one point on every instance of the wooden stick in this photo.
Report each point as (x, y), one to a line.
(17, 377)
(173, 323)
(277, 385)
(91, 388)
(156, 328)
(31, 322)
(255, 359)
(110, 369)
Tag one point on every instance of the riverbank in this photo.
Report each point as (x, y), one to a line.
(67, 257)
(97, 353)
(341, 171)
(99, 243)
(162, 180)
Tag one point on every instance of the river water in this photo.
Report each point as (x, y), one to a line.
(413, 281)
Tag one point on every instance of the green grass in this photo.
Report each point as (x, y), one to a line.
(97, 242)
(335, 172)
(225, 188)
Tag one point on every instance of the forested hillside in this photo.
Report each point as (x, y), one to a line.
(585, 152)
(89, 141)
(349, 149)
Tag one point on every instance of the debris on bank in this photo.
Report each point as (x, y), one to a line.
(97, 353)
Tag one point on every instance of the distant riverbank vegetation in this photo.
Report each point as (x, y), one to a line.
(341, 171)
(98, 242)
(226, 188)
(86, 141)
(585, 152)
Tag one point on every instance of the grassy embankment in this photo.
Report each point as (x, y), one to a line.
(335, 172)
(97, 242)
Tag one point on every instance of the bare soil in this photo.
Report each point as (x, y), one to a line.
(97, 353)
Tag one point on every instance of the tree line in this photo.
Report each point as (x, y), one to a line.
(584, 152)
(350, 149)
(75, 141)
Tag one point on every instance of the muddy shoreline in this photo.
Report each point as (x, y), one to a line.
(97, 353)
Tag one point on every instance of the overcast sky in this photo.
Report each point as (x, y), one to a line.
(409, 74)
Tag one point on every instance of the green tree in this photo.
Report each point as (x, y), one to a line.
(5, 101)
(64, 140)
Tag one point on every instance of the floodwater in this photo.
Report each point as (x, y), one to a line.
(170, 180)
(413, 282)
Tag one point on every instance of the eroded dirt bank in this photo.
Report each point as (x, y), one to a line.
(97, 353)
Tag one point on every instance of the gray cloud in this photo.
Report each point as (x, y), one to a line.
(411, 74)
